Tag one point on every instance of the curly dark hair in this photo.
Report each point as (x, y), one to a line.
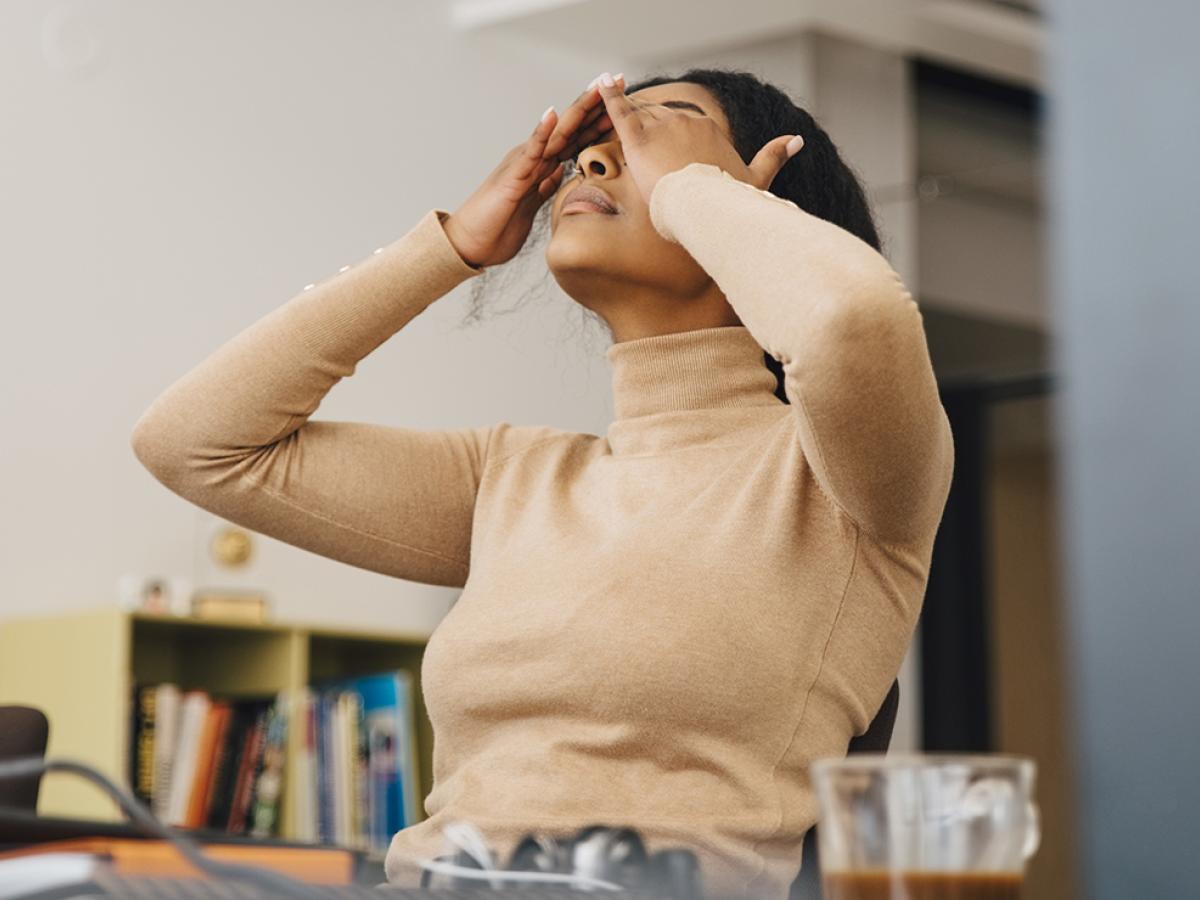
(816, 179)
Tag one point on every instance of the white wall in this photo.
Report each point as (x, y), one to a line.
(984, 258)
(171, 172)
(174, 171)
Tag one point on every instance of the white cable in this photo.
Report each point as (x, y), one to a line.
(554, 877)
(586, 857)
(467, 837)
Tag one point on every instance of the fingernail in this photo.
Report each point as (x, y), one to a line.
(618, 76)
(794, 145)
(607, 80)
(546, 114)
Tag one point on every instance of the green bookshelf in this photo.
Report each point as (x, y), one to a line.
(80, 669)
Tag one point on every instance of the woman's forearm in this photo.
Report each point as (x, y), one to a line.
(848, 335)
(265, 382)
(233, 434)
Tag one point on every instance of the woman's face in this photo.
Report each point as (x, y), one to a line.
(598, 258)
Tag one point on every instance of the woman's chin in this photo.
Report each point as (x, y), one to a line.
(578, 247)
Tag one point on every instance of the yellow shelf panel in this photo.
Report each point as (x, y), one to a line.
(75, 669)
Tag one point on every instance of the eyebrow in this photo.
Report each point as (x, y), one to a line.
(683, 104)
(672, 104)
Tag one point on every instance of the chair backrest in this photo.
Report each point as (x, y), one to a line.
(23, 733)
(878, 736)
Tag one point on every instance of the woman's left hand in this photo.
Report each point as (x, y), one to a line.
(657, 140)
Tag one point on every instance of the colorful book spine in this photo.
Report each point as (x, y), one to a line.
(248, 773)
(145, 722)
(269, 784)
(229, 764)
(372, 779)
(166, 742)
(211, 738)
(194, 712)
(325, 830)
(304, 818)
(361, 774)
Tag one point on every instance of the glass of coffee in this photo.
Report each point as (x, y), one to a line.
(925, 827)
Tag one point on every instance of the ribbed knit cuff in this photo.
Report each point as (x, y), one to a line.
(442, 215)
(671, 191)
(673, 199)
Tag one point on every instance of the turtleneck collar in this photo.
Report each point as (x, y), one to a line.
(705, 369)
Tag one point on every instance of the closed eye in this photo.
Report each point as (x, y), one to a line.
(573, 161)
(669, 103)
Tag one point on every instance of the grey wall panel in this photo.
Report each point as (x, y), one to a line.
(1124, 185)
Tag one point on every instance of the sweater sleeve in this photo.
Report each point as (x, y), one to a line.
(234, 437)
(849, 337)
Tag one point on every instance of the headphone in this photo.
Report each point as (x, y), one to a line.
(615, 855)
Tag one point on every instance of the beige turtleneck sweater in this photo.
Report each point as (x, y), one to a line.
(660, 626)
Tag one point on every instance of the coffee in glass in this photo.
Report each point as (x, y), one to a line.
(925, 827)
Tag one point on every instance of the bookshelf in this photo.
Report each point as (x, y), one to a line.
(80, 669)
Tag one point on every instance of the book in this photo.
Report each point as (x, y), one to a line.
(305, 768)
(213, 736)
(360, 780)
(166, 738)
(269, 783)
(324, 781)
(243, 792)
(145, 720)
(338, 767)
(193, 715)
(365, 759)
(199, 761)
(241, 720)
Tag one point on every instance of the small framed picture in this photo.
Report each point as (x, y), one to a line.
(158, 594)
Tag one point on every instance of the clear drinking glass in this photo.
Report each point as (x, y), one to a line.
(925, 827)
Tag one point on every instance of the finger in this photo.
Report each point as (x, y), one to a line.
(626, 117)
(530, 158)
(530, 190)
(551, 183)
(599, 130)
(546, 170)
(568, 144)
(771, 158)
(533, 200)
(582, 112)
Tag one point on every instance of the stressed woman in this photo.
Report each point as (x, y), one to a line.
(663, 625)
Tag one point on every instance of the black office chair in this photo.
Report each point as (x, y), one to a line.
(23, 733)
(876, 739)
(878, 736)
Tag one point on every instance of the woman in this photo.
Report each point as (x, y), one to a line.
(661, 626)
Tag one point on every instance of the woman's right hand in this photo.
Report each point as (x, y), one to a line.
(493, 223)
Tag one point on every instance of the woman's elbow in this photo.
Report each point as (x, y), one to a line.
(154, 448)
(171, 451)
